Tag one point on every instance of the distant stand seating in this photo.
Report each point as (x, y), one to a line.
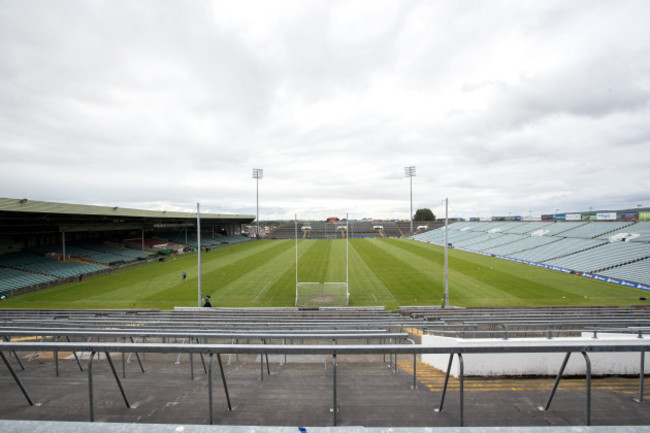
(357, 229)
(96, 253)
(11, 279)
(207, 239)
(618, 249)
(34, 264)
(44, 265)
(286, 231)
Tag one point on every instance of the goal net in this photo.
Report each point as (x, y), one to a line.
(322, 294)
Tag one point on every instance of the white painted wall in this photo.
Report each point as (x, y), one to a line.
(518, 364)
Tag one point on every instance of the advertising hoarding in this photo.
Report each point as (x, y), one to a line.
(573, 217)
(628, 216)
(606, 216)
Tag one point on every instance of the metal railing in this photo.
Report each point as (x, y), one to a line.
(549, 331)
(502, 347)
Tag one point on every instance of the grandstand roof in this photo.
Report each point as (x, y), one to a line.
(29, 216)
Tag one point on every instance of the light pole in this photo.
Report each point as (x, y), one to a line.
(410, 173)
(198, 244)
(446, 252)
(258, 173)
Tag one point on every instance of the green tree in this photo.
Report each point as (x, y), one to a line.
(424, 215)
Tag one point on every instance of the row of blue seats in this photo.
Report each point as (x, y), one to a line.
(35, 264)
(11, 279)
(592, 247)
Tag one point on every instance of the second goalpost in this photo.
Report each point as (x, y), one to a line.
(312, 294)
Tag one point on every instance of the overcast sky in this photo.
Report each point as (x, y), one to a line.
(505, 107)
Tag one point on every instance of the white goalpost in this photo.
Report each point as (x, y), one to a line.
(323, 293)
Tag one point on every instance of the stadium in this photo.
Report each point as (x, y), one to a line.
(149, 283)
(324, 323)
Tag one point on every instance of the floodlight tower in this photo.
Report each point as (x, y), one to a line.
(410, 173)
(446, 252)
(258, 174)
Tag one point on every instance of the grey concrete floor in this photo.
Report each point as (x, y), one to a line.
(298, 393)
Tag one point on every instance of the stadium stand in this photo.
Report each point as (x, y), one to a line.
(127, 254)
(36, 264)
(490, 241)
(520, 245)
(560, 227)
(636, 271)
(96, 238)
(581, 246)
(603, 257)
(639, 232)
(13, 280)
(231, 239)
(560, 247)
(96, 253)
(358, 229)
(526, 227)
(207, 240)
(594, 230)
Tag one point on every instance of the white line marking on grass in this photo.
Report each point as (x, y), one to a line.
(374, 297)
(262, 291)
(390, 293)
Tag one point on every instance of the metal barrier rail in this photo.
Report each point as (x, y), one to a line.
(358, 324)
(543, 346)
(210, 319)
(9, 329)
(195, 337)
(205, 334)
(462, 331)
(536, 319)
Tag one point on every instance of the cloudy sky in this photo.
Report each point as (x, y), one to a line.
(505, 107)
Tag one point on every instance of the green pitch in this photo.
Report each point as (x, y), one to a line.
(388, 272)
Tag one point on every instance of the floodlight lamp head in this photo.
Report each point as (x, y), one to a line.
(258, 173)
(409, 171)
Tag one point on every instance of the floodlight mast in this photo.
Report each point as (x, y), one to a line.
(410, 173)
(258, 174)
(446, 254)
(295, 219)
(198, 237)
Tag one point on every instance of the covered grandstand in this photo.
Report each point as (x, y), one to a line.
(46, 243)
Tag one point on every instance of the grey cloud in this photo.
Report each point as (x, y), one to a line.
(501, 106)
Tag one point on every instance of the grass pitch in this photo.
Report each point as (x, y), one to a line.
(388, 272)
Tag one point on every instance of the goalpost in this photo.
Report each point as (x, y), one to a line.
(324, 293)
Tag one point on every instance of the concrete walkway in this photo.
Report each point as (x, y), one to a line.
(369, 393)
